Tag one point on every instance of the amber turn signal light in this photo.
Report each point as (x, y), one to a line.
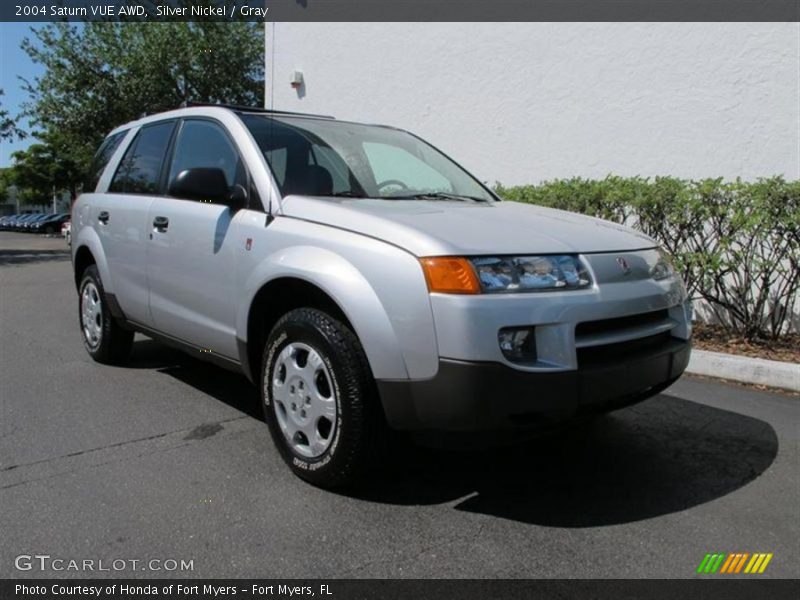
(450, 275)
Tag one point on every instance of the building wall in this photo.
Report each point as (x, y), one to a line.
(526, 102)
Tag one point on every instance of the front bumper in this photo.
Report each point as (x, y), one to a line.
(483, 396)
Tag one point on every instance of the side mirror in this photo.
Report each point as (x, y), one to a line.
(237, 198)
(207, 185)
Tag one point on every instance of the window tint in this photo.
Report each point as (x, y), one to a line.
(325, 157)
(333, 163)
(140, 169)
(276, 158)
(397, 169)
(203, 144)
(101, 159)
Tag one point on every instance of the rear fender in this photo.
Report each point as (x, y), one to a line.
(87, 237)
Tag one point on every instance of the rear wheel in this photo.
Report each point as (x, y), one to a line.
(319, 398)
(104, 338)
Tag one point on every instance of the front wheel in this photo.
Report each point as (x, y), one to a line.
(103, 337)
(319, 398)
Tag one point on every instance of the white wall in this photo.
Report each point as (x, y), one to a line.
(524, 102)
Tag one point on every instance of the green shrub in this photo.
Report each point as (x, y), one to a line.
(736, 244)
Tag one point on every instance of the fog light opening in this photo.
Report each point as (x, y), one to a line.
(518, 344)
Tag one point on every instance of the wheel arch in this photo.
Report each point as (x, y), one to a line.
(88, 250)
(83, 260)
(317, 278)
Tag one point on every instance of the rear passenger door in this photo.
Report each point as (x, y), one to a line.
(120, 217)
(194, 244)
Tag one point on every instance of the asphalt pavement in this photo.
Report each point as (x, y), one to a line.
(168, 459)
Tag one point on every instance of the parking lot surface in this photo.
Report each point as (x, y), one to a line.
(168, 458)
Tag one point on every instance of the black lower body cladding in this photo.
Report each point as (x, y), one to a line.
(482, 396)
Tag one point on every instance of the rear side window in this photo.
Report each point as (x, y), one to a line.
(140, 169)
(100, 160)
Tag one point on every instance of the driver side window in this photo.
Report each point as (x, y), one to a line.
(203, 144)
(396, 169)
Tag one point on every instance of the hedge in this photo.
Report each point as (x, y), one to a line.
(736, 243)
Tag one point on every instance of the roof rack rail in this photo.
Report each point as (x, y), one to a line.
(190, 103)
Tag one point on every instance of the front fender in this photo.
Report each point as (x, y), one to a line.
(343, 282)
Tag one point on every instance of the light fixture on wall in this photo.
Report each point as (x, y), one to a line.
(297, 80)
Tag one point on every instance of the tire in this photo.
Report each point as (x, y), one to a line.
(49, 231)
(104, 338)
(334, 383)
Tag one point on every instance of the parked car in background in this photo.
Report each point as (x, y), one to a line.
(7, 223)
(50, 224)
(66, 231)
(28, 226)
(10, 223)
(20, 223)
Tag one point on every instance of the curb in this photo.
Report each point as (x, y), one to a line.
(745, 369)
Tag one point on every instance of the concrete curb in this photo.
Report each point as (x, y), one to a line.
(746, 369)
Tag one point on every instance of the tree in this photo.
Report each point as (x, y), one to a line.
(42, 168)
(5, 183)
(8, 126)
(100, 75)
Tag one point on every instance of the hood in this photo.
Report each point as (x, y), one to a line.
(443, 227)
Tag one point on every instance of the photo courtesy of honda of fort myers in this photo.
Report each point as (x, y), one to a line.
(363, 280)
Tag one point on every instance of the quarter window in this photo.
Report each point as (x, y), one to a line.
(100, 160)
(140, 169)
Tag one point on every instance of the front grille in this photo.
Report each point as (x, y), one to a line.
(594, 356)
(620, 323)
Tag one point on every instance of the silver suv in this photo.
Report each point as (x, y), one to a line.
(363, 279)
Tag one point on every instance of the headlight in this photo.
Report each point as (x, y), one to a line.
(531, 273)
(662, 268)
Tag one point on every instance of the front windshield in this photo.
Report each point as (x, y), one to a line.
(321, 157)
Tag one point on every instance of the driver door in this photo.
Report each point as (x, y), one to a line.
(194, 244)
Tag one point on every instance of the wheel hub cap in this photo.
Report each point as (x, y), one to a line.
(91, 315)
(304, 399)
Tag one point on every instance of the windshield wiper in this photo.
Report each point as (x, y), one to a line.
(348, 194)
(436, 196)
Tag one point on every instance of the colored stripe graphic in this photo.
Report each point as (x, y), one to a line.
(753, 564)
(765, 563)
(727, 564)
(735, 562)
(703, 563)
(740, 564)
(736, 557)
(717, 563)
(710, 563)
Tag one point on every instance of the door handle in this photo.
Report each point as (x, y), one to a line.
(160, 224)
(103, 217)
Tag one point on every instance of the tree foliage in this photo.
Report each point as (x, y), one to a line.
(98, 76)
(42, 169)
(8, 125)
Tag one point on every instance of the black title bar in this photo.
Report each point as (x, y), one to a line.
(398, 10)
